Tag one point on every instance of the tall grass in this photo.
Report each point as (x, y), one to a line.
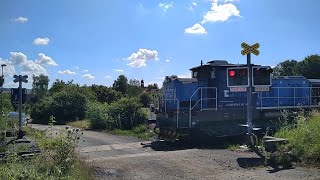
(303, 136)
(140, 131)
(58, 159)
(83, 124)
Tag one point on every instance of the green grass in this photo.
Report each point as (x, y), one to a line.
(233, 147)
(141, 131)
(304, 137)
(83, 124)
(39, 169)
(47, 165)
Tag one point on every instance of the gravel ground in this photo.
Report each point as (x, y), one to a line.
(121, 157)
(194, 164)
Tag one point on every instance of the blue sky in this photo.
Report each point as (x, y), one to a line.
(94, 41)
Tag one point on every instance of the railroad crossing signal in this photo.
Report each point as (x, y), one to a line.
(15, 95)
(237, 77)
(261, 76)
(1, 81)
(250, 49)
(18, 78)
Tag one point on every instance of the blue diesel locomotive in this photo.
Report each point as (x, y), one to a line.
(204, 103)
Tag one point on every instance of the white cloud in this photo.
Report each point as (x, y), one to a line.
(226, 1)
(45, 60)
(185, 75)
(108, 77)
(18, 58)
(76, 67)
(88, 76)
(31, 67)
(118, 70)
(21, 19)
(41, 41)
(85, 70)
(67, 72)
(165, 6)
(8, 70)
(196, 29)
(18, 63)
(139, 58)
(192, 6)
(167, 60)
(220, 12)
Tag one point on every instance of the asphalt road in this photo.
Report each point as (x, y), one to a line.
(121, 157)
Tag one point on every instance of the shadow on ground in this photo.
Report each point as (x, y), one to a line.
(250, 162)
(214, 143)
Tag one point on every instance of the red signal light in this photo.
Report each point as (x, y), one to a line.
(232, 73)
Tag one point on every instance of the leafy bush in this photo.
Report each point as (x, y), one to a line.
(5, 103)
(97, 114)
(65, 106)
(304, 137)
(123, 114)
(40, 112)
(68, 106)
(126, 113)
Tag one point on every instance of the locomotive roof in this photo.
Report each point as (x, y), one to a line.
(315, 81)
(188, 79)
(217, 63)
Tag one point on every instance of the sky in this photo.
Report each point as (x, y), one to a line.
(95, 41)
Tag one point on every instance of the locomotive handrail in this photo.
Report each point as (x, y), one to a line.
(305, 95)
(190, 104)
(201, 100)
(174, 99)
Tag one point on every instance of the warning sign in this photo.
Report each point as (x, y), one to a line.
(238, 89)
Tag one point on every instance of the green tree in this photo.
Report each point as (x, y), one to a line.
(134, 91)
(68, 106)
(286, 68)
(104, 94)
(57, 86)
(121, 84)
(5, 103)
(152, 86)
(134, 82)
(145, 99)
(39, 87)
(310, 67)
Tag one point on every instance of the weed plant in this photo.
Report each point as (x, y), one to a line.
(304, 137)
(58, 158)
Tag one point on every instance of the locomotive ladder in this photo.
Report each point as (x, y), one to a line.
(201, 99)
